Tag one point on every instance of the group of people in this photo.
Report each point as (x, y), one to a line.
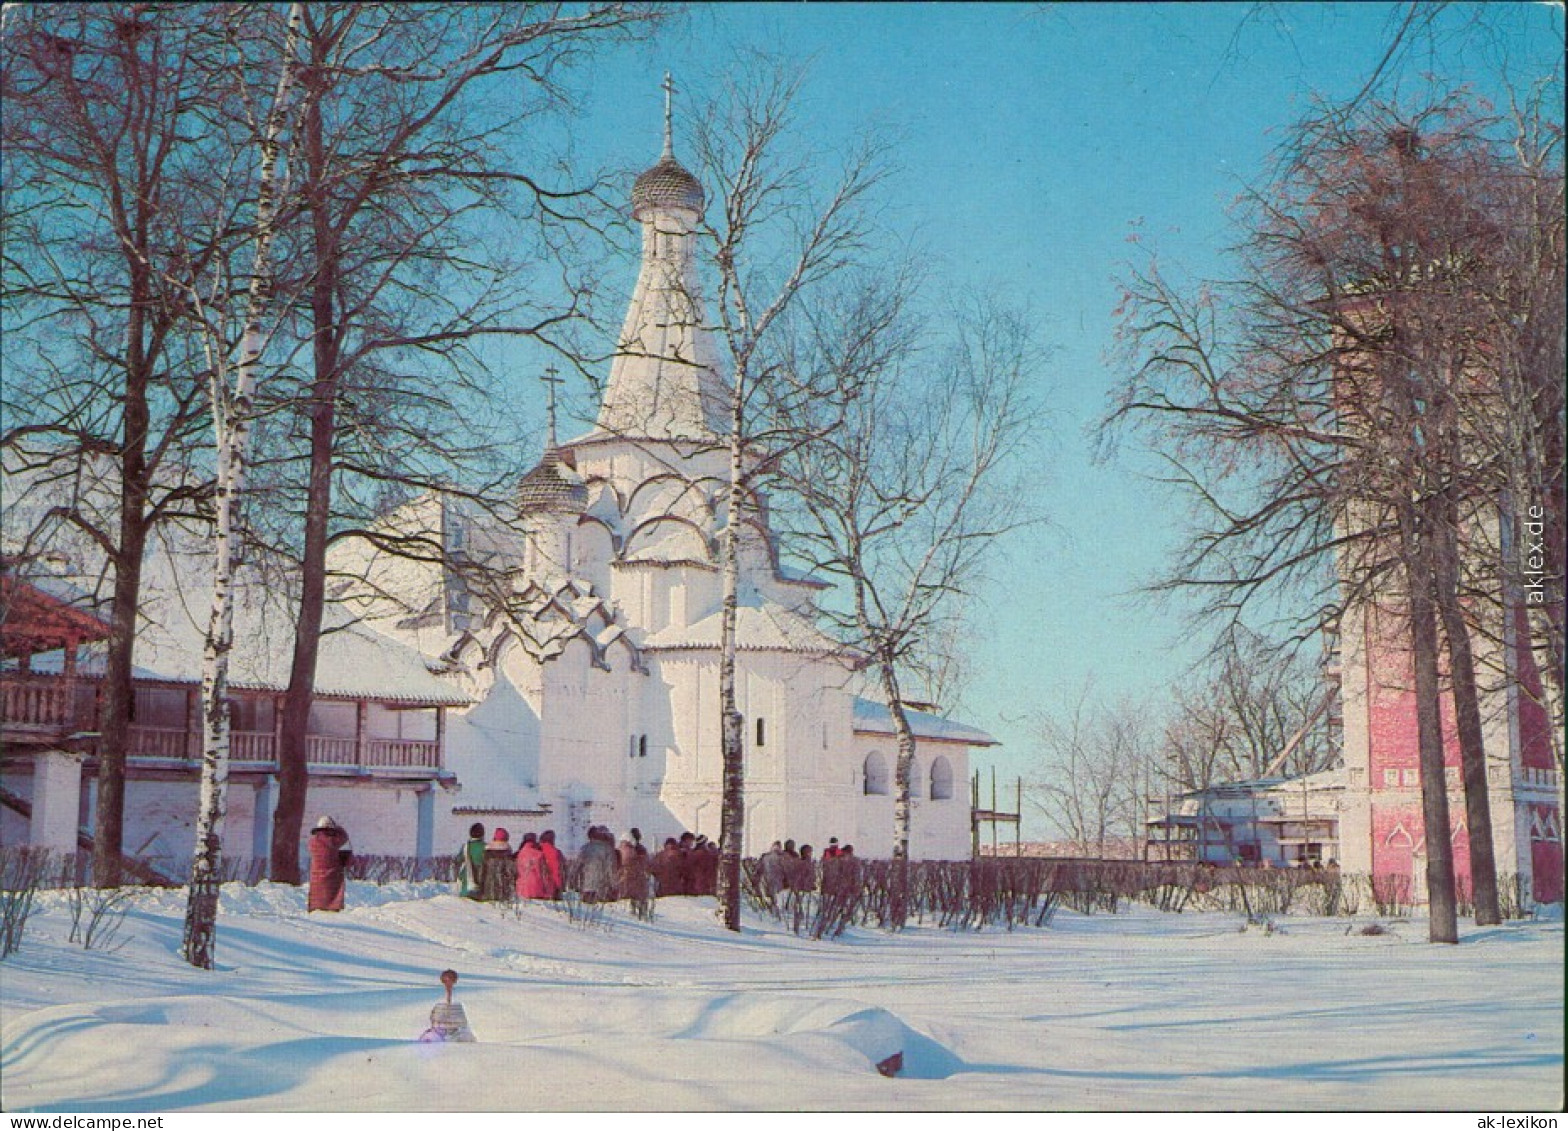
(602, 872)
(783, 868)
(495, 871)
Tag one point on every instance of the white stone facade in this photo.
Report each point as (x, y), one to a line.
(595, 675)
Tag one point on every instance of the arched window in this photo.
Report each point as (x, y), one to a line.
(941, 779)
(876, 778)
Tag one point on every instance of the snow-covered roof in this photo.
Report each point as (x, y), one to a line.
(1323, 780)
(872, 717)
(763, 626)
(354, 663)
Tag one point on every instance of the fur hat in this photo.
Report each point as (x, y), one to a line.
(326, 823)
(476, 830)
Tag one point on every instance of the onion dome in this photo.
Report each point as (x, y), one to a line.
(667, 185)
(552, 486)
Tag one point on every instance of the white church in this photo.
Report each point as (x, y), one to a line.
(595, 680)
(582, 689)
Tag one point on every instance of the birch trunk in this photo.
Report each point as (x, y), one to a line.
(231, 417)
(901, 802)
(732, 821)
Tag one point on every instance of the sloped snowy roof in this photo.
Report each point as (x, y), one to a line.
(872, 717)
(766, 626)
(354, 662)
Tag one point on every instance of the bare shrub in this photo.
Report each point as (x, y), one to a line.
(392, 869)
(97, 915)
(22, 872)
(1391, 895)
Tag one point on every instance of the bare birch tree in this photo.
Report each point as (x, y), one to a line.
(906, 497)
(231, 410)
(775, 236)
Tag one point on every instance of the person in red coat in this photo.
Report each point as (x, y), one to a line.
(554, 865)
(531, 882)
(329, 853)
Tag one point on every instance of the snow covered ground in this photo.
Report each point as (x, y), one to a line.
(1141, 1010)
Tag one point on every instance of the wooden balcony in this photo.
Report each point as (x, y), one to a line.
(43, 710)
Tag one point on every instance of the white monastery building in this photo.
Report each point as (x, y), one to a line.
(595, 677)
(577, 685)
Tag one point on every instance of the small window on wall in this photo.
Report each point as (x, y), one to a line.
(876, 779)
(941, 779)
(762, 733)
(1391, 777)
(631, 747)
(642, 746)
(1412, 777)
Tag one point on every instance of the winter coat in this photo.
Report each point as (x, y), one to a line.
(597, 864)
(470, 864)
(634, 875)
(669, 872)
(329, 852)
(497, 875)
(554, 870)
(532, 875)
(803, 873)
(704, 871)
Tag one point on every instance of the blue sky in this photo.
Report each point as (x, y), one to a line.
(1032, 139)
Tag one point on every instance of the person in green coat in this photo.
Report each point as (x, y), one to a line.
(470, 862)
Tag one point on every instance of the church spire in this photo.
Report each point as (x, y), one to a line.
(664, 381)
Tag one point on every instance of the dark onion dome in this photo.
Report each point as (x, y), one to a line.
(666, 185)
(552, 486)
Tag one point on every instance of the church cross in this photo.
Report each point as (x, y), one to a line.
(551, 379)
(669, 129)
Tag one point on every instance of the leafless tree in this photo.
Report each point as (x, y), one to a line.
(232, 405)
(906, 497)
(1330, 424)
(776, 234)
(397, 164)
(1094, 764)
(1250, 710)
(105, 388)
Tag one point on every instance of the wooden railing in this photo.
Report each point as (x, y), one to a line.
(323, 751)
(47, 708)
(36, 704)
(403, 753)
(157, 742)
(247, 747)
